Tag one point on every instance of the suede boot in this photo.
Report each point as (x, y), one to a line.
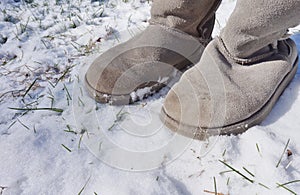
(241, 74)
(178, 32)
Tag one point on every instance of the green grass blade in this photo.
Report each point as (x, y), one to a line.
(245, 177)
(264, 186)
(68, 149)
(282, 186)
(249, 172)
(79, 193)
(290, 182)
(215, 185)
(29, 88)
(286, 145)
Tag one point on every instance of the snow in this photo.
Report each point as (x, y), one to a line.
(116, 150)
(140, 93)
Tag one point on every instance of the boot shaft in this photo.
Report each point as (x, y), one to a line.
(195, 17)
(256, 24)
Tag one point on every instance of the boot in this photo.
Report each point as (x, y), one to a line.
(178, 32)
(241, 74)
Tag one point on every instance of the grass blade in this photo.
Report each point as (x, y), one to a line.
(227, 183)
(80, 139)
(69, 130)
(248, 172)
(290, 182)
(282, 186)
(286, 145)
(63, 75)
(258, 149)
(215, 185)
(264, 186)
(245, 177)
(223, 172)
(68, 149)
(33, 109)
(23, 125)
(224, 153)
(68, 93)
(29, 87)
(79, 193)
(11, 125)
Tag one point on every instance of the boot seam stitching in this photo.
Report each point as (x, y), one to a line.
(243, 61)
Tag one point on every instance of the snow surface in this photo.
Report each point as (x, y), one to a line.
(47, 152)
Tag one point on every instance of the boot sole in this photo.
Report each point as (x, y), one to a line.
(237, 128)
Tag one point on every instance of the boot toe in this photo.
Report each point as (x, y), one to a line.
(182, 105)
(147, 60)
